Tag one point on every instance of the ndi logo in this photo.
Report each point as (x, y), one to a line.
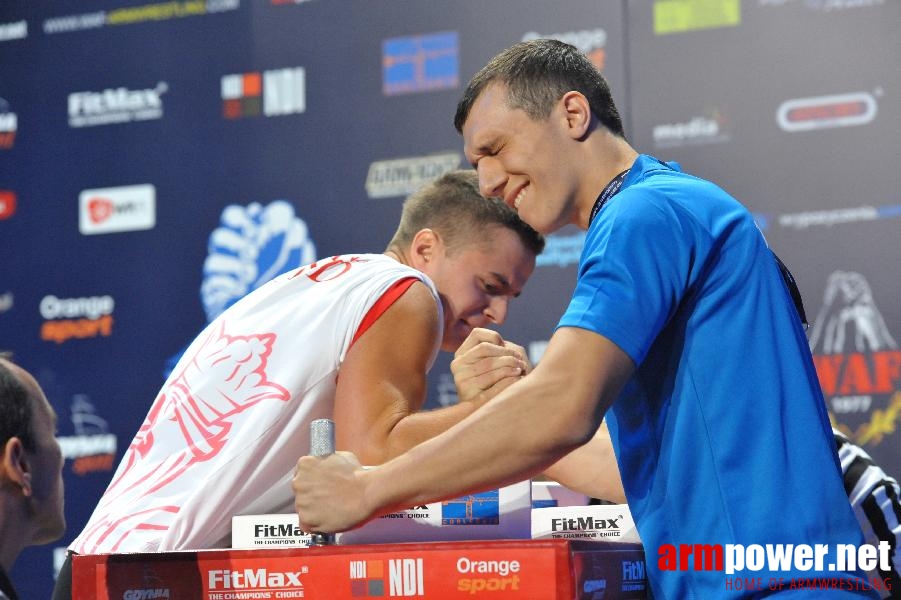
(405, 578)
(473, 509)
(270, 93)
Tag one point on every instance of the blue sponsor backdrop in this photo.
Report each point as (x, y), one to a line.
(160, 159)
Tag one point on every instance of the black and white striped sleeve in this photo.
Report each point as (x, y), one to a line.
(874, 496)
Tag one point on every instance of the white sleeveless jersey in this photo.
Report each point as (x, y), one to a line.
(225, 431)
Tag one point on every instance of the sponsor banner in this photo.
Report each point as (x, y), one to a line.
(92, 448)
(528, 569)
(117, 209)
(694, 131)
(828, 6)
(603, 522)
(16, 30)
(826, 112)
(269, 93)
(403, 176)
(76, 318)
(677, 16)
(828, 218)
(857, 360)
(116, 105)
(420, 63)
(9, 123)
(268, 531)
(146, 13)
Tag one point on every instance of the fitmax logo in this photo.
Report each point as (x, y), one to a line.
(277, 531)
(583, 524)
(227, 579)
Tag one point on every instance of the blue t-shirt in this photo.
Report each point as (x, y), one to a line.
(721, 435)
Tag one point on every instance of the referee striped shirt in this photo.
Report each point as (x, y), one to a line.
(874, 498)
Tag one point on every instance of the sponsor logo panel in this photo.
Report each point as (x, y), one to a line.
(420, 63)
(146, 13)
(488, 575)
(828, 218)
(267, 93)
(251, 245)
(678, 16)
(116, 105)
(826, 112)
(473, 509)
(827, 6)
(403, 577)
(16, 30)
(92, 448)
(117, 209)
(7, 204)
(403, 176)
(7, 301)
(697, 130)
(9, 123)
(857, 360)
(251, 578)
(76, 318)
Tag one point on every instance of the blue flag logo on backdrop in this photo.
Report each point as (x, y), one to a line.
(251, 245)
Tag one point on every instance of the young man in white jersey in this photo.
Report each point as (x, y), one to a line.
(351, 338)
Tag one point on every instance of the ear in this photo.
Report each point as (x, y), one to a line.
(427, 245)
(577, 112)
(14, 465)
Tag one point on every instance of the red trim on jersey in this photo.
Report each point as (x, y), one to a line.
(390, 296)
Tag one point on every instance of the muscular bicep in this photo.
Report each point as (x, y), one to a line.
(383, 376)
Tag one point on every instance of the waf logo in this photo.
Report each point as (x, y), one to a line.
(473, 509)
(824, 112)
(404, 578)
(268, 93)
(857, 360)
(7, 204)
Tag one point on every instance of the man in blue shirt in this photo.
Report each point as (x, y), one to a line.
(681, 322)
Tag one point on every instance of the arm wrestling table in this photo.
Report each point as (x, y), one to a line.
(527, 569)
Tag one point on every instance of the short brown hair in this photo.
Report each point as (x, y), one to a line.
(453, 206)
(537, 73)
